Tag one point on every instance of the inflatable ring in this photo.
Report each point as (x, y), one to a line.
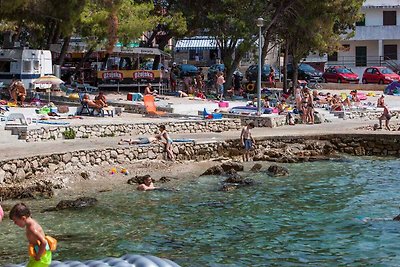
(250, 87)
(127, 260)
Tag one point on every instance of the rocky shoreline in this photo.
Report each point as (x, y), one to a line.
(38, 176)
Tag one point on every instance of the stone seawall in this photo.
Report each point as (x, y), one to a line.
(99, 130)
(276, 149)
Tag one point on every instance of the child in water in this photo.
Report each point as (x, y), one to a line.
(40, 256)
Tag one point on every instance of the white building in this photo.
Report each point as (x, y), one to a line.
(376, 40)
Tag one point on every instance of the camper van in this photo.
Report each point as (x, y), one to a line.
(24, 64)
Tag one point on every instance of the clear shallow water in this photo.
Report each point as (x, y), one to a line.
(314, 217)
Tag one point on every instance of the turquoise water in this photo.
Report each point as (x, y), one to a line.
(314, 217)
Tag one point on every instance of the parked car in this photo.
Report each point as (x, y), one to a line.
(340, 74)
(213, 69)
(381, 75)
(306, 72)
(252, 72)
(187, 70)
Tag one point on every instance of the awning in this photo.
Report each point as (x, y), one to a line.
(196, 44)
(140, 51)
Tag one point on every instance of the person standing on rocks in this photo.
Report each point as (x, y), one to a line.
(386, 117)
(247, 140)
(1, 213)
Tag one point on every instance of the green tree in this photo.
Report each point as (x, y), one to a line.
(319, 26)
(233, 24)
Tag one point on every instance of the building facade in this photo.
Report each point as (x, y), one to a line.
(376, 41)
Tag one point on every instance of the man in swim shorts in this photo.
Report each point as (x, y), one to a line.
(247, 140)
(41, 256)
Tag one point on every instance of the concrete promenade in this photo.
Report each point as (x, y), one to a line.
(20, 148)
(11, 148)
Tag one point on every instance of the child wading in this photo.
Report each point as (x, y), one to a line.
(40, 246)
(247, 140)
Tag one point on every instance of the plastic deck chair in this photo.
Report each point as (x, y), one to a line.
(151, 106)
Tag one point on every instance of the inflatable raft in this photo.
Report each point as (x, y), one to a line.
(125, 261)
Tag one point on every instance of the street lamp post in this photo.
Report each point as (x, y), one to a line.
(260, 24)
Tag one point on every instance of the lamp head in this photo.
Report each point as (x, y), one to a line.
(260, 22)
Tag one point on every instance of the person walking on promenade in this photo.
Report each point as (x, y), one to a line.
(220, 85)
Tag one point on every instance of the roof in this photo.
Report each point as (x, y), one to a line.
(381, 4)
(140, 51)
(196, 43)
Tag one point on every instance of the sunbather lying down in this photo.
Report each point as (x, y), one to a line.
(138, 141)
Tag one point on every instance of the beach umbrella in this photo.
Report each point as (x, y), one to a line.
(392, 89)
(48, 79)
(51, 80)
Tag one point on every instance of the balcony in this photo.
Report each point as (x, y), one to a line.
(364, 33)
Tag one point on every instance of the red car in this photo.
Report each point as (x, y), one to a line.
(381, 75)
(340, 74)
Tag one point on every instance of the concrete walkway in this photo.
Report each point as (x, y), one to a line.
(20, 148)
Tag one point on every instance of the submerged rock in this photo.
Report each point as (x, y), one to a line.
(228, 187)
(397, 218)
(227, 166)
(215, 170)
(276, 170)
(164, 179)
(39, 190)
(256, 167)
(82, 202)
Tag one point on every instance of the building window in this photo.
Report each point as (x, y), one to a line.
(361, 22)
(26, 66)
(390, 52)
(389, 17)
(5, 66)
(361, 56)
(333, 56)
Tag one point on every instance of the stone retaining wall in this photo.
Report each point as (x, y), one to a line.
(279, 149)
(99, 130)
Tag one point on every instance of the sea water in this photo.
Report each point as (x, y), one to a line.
(329, 213)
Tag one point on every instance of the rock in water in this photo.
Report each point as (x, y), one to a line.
(227, 166)
(256, 167)
(82, 202)
(215, 170)
(276, 170)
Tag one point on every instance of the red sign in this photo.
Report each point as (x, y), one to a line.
(143, 74)
(113, 75)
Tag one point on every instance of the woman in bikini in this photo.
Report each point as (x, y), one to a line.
(167, 141)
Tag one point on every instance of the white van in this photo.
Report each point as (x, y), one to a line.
(24, 64)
